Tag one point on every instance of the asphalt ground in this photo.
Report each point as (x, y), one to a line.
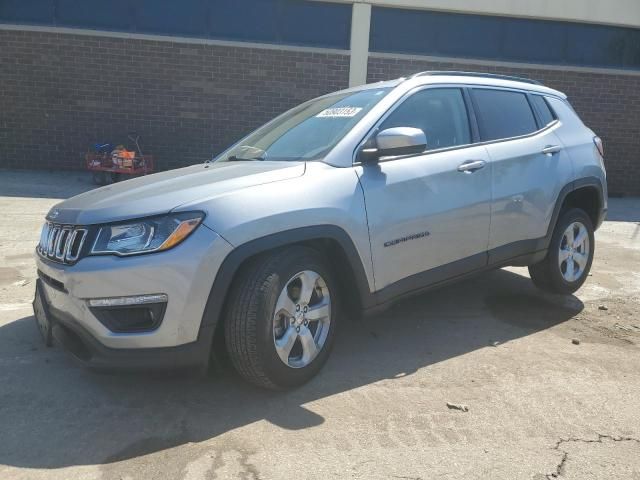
(552, 384)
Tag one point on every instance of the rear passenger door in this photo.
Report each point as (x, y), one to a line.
(528, 167)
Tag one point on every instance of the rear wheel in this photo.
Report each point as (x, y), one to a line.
(570, 254)
(281, 319)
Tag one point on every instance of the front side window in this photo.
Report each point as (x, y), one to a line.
(439, 112)
(503, 114)
(308, 131)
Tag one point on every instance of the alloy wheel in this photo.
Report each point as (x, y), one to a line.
(574, 252)
(302, 318)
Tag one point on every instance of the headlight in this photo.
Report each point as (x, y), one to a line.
(146, 235)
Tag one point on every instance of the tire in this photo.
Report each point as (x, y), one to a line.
(99, 178)
(565, 277)
(253, 327)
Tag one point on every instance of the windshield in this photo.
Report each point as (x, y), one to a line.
(308, 131)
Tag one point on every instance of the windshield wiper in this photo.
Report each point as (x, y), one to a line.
(235, 158)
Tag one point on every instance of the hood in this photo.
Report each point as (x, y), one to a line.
(162, 192)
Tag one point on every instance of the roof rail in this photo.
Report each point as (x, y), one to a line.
(475, 74)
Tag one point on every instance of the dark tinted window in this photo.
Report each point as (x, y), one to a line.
(439, 112)
(542, 107)
(503, 114)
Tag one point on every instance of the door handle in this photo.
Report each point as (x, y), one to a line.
(551, 149)
(471, 166)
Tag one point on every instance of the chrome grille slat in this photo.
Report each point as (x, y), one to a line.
(72, 254)
(53, 236)
(61, 243)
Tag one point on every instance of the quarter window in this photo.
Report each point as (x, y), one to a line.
(543, 109)
(439, 112)
(503, 114)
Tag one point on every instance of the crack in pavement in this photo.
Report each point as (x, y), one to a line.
(565, 455)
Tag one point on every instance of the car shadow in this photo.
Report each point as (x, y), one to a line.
(625, 209)
(44, 184)
(55, 413)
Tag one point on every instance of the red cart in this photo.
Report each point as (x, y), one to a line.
(109, 166)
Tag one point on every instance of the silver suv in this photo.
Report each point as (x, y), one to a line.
(345, 203)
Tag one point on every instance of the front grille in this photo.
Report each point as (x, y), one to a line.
(61, 243)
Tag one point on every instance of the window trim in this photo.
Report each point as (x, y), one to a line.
(526, 93)
(537, 112)
(472, 112)
(518, 137)
(473, 132)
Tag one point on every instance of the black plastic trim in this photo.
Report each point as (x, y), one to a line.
(566, 190)
(52, 282)
(78, 341)
(110, 317)
(232, 262)
(418, 282)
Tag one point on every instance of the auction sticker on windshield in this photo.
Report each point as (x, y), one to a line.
(339, 112)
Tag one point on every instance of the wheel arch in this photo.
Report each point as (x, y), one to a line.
(333, 241)
(585, 193)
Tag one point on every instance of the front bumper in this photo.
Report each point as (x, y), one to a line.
(78, 341)
(185, 274)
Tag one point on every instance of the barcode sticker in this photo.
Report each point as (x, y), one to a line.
(338, 112)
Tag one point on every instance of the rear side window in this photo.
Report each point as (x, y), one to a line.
(542, 107)
(439, 112)
(503, 114)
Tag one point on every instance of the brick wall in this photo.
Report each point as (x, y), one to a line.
(609, 104)
(60, 93)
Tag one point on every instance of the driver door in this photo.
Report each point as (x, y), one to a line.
(428, 213)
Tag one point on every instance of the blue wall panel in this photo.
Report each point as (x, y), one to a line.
(183, 17)
(250, 20)
(109, 15)
(291, 22)
(27, 11)
(315, 23)
(501, 38)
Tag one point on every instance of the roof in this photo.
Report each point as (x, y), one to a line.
(484, 79)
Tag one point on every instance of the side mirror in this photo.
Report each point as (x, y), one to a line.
(395, 141)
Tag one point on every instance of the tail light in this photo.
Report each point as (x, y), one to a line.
(599, 145)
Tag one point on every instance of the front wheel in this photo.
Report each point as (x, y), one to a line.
(570, 254)
(281, 318)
